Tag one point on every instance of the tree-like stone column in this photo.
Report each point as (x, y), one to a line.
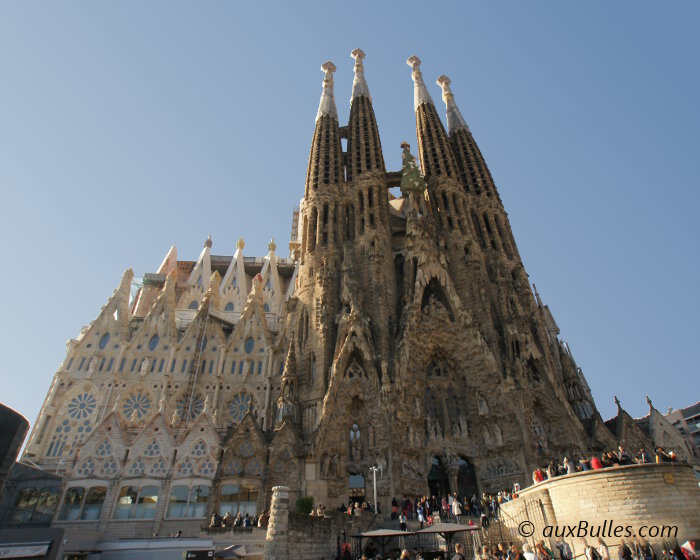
(276, 543)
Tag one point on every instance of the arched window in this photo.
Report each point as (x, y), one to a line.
(103, 341)
(193, 305)
(153, 343)
(249, 345)
(229, 306)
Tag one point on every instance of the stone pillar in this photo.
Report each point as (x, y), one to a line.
(276, 543)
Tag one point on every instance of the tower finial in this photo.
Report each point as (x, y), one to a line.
(327, 104)
(420, 92)
(359, 85)
(455, 120)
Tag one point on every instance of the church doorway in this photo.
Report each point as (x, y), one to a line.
(356, 488)
(466, 480)
(438, 482)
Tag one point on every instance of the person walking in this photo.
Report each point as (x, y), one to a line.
(458, 553)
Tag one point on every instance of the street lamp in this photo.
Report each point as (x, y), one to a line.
(373, 469)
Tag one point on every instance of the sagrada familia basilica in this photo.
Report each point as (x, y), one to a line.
(401, 332)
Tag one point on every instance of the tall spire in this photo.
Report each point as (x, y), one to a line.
(420, 92)
(455, 119)
(364, 146)
(359, 85)
(325, 159)
(473, 172)
(327, 104)
(433, 147)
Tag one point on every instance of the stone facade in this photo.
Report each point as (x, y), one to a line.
(401, 332)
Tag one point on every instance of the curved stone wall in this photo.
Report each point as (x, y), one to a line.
(614, 503)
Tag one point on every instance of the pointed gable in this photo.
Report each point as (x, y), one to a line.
(197, 281)
(273, 297)
(233, 288)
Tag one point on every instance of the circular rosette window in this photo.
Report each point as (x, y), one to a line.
(82, 405)
(239, 406)
(137, 405)
(189, 411)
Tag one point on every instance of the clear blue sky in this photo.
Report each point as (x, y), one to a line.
(126, 127)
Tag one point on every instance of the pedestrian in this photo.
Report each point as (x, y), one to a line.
(565, 552)
(527, 552)
(624, 552)
(458, 553)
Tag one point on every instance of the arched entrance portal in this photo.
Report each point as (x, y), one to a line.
(466, 480)
(438, 482)
(356, 488)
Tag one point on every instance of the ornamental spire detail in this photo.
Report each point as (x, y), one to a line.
(420, 92)
(455, 120)
(359, 85)
(327, 104)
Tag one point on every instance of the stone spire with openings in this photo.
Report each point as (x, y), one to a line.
(325, 160)
(472, 169)
(433, 147)
(364, 145)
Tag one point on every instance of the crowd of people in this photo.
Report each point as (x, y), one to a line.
(607, 459)
(449, 506)
(239, 520)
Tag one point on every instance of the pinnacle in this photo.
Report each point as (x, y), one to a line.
(420, 92)
(327, 104)
(359, 84)
(455, 120)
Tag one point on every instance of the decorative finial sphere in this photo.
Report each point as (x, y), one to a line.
(208, 242)
(271, 246)
(240, 244)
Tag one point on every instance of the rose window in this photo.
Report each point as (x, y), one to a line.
(196, 408)
(137, 403)
(81, 406)
(239, 406)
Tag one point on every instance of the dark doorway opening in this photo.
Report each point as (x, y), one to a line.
(466, 480)
(438, 483)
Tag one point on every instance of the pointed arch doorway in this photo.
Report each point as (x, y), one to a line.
(466, 480)
(438, 481)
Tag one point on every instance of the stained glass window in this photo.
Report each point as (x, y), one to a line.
(82, 405)
(238, 406)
